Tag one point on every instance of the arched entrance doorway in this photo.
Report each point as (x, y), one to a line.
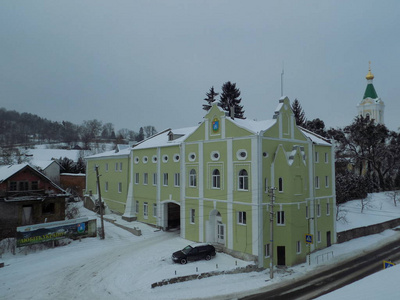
(172, 216)
(216, 232)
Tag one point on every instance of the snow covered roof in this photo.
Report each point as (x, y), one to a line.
(8, 171)
(252, 125)
(317, 139)
(48, 154)
(162, 139)
(123, 152)
(42, 164)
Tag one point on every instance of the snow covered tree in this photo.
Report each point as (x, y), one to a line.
(299, 114)
(210, 99)
(230, 101)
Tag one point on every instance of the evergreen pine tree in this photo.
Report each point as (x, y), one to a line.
(299, 114)
(140, 136)
(230, 101)
(210, 99)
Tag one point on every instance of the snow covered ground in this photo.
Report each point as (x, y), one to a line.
(123, 266)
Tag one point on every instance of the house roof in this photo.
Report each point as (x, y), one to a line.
(315, 138)
(252, 125)
(7, 171)
(117, 152)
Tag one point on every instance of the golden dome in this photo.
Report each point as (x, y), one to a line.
(369, 76)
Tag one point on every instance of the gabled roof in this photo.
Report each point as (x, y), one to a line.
(315, 138)
(252, 125)
(8, 171)
(123, 152)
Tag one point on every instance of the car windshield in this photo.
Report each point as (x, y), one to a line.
(187, 249)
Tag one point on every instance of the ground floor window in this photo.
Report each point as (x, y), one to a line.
(154, 210)
(192, 215)
(137, 207)
(145, 210)
(267, 250)
(298, 247)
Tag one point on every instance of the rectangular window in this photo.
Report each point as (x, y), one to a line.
(116, 167)
(192, 178)
(154, 178)
(316, 182)
(326, 181)
(34, 185)
(298, 247)
(241, 217)
(328, 209)
(280, 217)
(145, 178)
(266, 185)
(318, 210)
(137, 207)
(316, 156)
(267, 250)
(13, 186)
(119, 187)
(177, 179)
(165, 182)
(106, 186)
(145, 210)
(192, 215)
(137, 178)
(155, 210)
(319, 236)
(280, 184)
(120, 166)
(326, 157)
(23, 186)
(106, 167)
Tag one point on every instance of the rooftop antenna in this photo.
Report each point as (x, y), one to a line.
(283, 72)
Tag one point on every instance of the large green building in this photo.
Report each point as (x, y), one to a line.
(214, 181)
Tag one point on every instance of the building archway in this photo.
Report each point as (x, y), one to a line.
(171, 215)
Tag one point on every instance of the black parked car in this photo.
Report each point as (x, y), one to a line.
(194, 252)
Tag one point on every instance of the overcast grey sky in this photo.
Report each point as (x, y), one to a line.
(137, 63)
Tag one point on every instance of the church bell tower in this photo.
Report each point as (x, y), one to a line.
(371, 105)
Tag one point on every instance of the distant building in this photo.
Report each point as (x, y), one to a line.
(371, 105)
(27, 197)
(213, 182)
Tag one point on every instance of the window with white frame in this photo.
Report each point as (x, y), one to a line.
(326, 157)
(177, 179)
(280, 217)
(241, 217)
(280, 184)
(267, 251)
(192, 178)
(137, 207)
(326, 181)
(106, 186)
(145, 210)
(216, 179)
(192, 215)
(119, 187)
(146, 178)
(116, 167)
(316, 156)
(266, 185)
(328, 209)
(137, 178)
(106, 167)
(319, 236)
(317, 182)
(165, 179)
(154, 210)
(154, 178)
(120, 166)
(298, 247)
(318, 210)
(243, 184)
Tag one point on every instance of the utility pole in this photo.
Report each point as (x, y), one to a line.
(100, 202)
(271, 191)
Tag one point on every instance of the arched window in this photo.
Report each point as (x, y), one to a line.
(280, 183)
(216, 179)
(243, 180)
(192, 178)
